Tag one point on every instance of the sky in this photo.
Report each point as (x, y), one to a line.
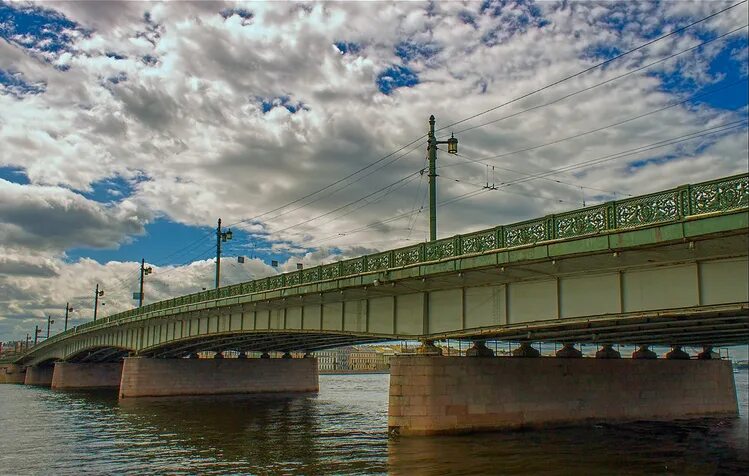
(128, 129)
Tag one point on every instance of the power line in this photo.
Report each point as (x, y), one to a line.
(505, 191)
(598, 129)
(346, 205)
(656, 145)
(591, 68)
(665, 143)
(334, 183)
(482, 160)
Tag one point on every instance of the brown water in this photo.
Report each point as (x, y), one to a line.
(341, 430)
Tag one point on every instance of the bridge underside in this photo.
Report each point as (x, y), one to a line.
(709, 325)
(259, 342)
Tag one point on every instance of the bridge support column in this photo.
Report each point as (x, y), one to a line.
(433, 395)
(479, 349)
(80, 376)
(12, 373)
(39, 375)
(526, 350)
(146, 377)
(607, 352)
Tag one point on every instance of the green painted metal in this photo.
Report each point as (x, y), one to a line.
(631, 222)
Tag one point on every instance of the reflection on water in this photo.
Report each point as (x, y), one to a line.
(342, 430)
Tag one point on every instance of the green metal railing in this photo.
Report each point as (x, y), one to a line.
(721, 195)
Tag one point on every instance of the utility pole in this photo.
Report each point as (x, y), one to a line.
(218, 254)
(220, 236)
(143, 272)
(49, 322)
(452, 148)
(36, 334)
(27, 341)
(98, 293)
(67, 310)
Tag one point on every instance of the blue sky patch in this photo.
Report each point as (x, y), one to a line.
(36, 28)
(413, 51)
(727, 67)
(266, 104)
(395, 77)
(113, 55)
(14, 175)
(243, 13)
(112, 189)
(348, 47)
(118, 78)
(15, 85)
(195, 243)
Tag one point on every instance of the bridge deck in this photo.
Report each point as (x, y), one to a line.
(658, 229)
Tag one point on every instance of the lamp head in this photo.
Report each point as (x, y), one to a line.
(452, 145)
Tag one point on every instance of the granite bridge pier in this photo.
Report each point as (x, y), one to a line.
(670, 268)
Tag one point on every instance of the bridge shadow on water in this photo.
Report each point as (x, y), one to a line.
(690, 447)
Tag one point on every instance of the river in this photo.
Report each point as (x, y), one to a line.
(341, 430)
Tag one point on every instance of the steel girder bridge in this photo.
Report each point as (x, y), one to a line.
(665, 268)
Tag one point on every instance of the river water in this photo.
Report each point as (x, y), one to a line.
(341, 430)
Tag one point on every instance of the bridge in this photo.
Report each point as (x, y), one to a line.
(666, 268)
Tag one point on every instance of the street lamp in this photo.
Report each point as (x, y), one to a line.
(144, 271)
(452, 148)
(50, 321)
(68, 309)
(97, 295)
(220, 237)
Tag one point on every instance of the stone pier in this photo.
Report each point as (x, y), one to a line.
(39, 375)
(147, 377)
(12, 373)
(434, 395)
(72, 376)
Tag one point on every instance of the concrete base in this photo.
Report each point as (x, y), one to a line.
(145, 377)
(433, 395)
(72, 376)
(12, 373)
(41, 376)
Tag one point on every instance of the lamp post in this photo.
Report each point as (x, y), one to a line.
(36, 334)
(50, 321)
(97, 294)
(144, 271)
(68, 309)
(452, 148)
(220, 237)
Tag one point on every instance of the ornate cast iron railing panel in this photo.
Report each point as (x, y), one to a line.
(722, 195)
(647, 210)
(584, 222)
(354, 266)
(527, 233)
(406, 256)
(479, 242)
(439, 249)
(378, 261)
(719, 196)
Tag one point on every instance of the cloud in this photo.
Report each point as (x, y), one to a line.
(55, 219)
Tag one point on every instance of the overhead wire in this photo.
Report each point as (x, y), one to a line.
(607, 81)
(372, 164)
(637, 150)
(653, 146)
(595, 66)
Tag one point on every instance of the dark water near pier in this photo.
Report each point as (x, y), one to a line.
(342, 430)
